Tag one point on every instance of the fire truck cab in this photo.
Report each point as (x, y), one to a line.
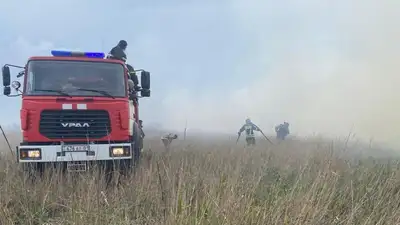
(78, 108)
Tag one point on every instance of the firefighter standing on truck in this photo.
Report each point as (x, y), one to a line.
(249, 127)
(118, 52)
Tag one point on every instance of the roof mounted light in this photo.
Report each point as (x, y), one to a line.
(58, 53)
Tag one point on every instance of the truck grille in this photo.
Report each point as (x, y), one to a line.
(74, 124)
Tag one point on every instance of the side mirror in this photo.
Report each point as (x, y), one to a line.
(145, 80)
(145, 93)
(7, 91)
(6, 76)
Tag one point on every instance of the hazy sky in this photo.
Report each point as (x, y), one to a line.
(324, 66)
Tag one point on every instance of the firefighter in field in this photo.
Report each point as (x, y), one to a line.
(141, 128)
(141, 133)
(167, 139)
(249, 127)
(282, 130)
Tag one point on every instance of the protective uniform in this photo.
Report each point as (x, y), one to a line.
(132, 75)
(167, 139)
(249, 127)
(282, 130)
(141, 128)
(118, 52)
(141, 133)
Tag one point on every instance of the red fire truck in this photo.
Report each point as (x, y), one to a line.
(78, 109)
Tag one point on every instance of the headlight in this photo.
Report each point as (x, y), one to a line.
(34, 154)
(120, 151)
(30, 154)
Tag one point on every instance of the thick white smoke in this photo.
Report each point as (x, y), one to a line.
(335, 71)
(325, 66)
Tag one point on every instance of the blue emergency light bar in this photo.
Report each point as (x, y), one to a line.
(58, 53)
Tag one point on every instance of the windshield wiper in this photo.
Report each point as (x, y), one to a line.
(105, 93)
(57, 91)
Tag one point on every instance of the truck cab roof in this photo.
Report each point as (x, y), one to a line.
(76, 56)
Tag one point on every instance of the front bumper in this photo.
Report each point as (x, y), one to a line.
(54, 153)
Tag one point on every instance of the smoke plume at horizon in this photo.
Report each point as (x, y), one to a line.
(326, 67)
(333, 71)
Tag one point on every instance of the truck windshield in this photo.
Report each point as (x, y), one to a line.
(75, 78)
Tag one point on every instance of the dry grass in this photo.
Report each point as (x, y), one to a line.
(216, 183)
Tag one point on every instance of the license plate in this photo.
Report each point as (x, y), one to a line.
(75, 148)
(76, 166)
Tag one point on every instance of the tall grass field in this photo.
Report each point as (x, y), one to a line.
(214, 182)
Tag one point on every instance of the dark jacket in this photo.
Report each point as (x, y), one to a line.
(281, 128)
(117, 53)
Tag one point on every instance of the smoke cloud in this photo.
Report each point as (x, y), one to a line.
(326, 67)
